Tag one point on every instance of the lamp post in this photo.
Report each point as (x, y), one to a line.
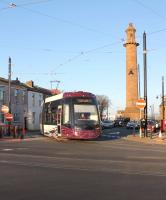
(163, 107)
(145, 82)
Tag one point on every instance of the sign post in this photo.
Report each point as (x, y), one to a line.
(140, 103)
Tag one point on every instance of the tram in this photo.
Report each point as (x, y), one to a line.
(72, 115)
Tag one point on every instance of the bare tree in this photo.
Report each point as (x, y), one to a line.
(103, 102)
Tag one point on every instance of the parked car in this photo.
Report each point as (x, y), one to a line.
(107, 124)
(151, 126)
(157, 124)
(119, 123)
(133, 124)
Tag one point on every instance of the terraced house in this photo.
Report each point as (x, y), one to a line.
(26, 99)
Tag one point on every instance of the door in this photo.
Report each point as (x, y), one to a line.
(59, 120)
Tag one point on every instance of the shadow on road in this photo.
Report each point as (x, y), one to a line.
(115, 133)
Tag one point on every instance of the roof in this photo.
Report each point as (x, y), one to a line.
(34, 88)
(38, 89)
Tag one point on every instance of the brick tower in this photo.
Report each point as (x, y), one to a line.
(131, 110)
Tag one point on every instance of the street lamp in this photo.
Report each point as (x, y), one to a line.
(162, 110)
(163, 107)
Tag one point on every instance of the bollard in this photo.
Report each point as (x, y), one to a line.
(140, 132)
(160, 134)
(1, 134)
(15, 134)
(6, 130)
(151, 134)
(133, 130)
(22, 133)
(12, 130)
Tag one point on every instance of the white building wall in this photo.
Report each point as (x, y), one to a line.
(34, 110)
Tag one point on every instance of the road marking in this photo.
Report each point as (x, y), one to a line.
(7, 149)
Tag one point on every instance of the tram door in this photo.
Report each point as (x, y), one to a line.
(59, 118)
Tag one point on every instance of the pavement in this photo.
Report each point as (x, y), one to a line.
(26, 135)
(155, 138)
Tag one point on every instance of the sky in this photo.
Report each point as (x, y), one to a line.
(80, 44)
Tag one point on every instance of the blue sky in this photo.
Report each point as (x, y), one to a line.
(80, 43)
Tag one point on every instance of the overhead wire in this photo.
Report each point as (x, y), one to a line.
(37, 2)
(55, 18)
(37, 73)
(82, 53)
(149, 8)
(24, 4)
(13, 5)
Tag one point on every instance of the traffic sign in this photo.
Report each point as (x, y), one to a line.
(9, 117)
(4, 109)
(140, 103)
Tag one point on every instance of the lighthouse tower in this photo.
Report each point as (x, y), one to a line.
(131, 111)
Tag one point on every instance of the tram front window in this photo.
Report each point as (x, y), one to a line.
(86, 116)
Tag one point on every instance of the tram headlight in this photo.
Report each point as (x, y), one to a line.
(77, 129)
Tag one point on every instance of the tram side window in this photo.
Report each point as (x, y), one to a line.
(66, 115)
(51, 110)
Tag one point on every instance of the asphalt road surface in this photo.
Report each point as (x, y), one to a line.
(109, 168)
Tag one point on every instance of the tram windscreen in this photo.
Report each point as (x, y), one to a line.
(86, 115)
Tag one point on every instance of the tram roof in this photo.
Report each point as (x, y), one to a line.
(69, 95)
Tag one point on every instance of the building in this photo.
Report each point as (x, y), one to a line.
(120, 114)
(163, 109)
(35, 96)
(18, 100)
(26, 100)
(131, 111)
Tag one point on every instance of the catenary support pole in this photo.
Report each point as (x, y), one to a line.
(145, 83)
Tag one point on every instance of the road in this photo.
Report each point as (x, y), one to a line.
(110, 168)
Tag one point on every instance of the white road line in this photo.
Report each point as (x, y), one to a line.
(7, 149)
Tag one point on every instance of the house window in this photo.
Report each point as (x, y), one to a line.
(33, 118)
(2, 96)
(16, 117)
(33, 99)
(40, 100)
(16, 94)
(23, 97)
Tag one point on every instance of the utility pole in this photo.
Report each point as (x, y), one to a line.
(9, 81)
(55, 81)
(145, 83)
(163, 106)
(9, 91)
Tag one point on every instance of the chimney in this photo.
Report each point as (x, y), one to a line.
(30, 83)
